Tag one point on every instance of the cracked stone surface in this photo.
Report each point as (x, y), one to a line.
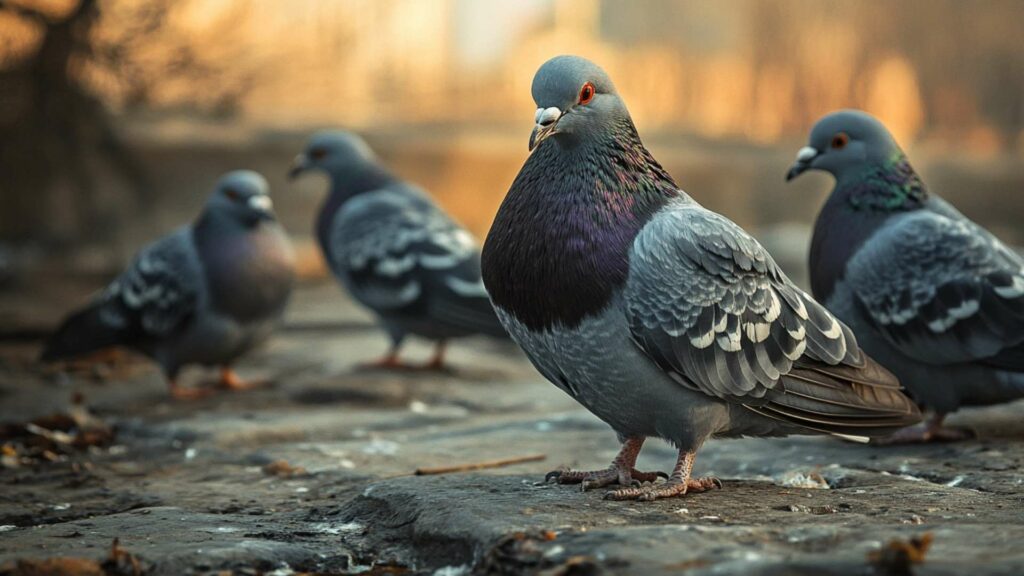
(184, 488)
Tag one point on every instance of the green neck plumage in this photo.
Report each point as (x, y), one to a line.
(891, 186)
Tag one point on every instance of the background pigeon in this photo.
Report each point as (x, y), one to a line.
(205, 294)
(395, 250)
(662, 318)
(934, 297)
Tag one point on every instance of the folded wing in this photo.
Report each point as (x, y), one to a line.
(711, 308)
(943, 290)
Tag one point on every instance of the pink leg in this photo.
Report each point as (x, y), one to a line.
(437, 360)
(181, 393)
(678, 484)
(389, 361)
(621, 471)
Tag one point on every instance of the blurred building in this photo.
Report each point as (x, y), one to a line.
(109, 109)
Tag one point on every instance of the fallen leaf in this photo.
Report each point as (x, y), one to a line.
(898, 557)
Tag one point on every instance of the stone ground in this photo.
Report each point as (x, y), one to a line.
(186, 487)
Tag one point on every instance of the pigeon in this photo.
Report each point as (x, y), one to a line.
(662, 318)
(396, 251)
(934, 297)
(205, 294)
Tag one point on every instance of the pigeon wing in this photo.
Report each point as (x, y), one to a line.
(706, 302)
(158, 292)
(942, 290)
(402, 252)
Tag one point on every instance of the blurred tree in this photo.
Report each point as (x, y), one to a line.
(52, 129)
(174, 53)
(67, 175)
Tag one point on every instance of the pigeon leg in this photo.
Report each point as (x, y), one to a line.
(932, 431)
(389, 361)
(678, 484)
(437, 360)
(230, 380)
(620, 472)
(180, 393)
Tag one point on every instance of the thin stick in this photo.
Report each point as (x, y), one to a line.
(480, 465)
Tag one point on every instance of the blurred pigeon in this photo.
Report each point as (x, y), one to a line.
(931, 295)
(205, 294)
(662, 318)
(395, 250)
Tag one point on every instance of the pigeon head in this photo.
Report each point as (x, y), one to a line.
(575, 100)
(243, 195)
(332, 151)
(844, 143)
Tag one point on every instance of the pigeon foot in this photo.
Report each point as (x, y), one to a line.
(621, 471)
(932, 431)
(678, 484)
(671, 488)
(925, 435)
(613, 474)
(436, 363)
(390, 361)
(183, 393)
(230, 380)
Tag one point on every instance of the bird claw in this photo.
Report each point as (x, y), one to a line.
(589, 480)
(653, 492)
(234, 383)
(179, 393)
(555, 475)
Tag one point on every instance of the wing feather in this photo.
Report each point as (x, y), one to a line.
(941, 289)
(708, 304)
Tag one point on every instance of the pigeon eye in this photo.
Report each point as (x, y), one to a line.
(232, 193)
(840, 140)
(587, 93)
(317, 153)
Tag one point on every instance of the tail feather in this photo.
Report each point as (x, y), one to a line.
(81, 333)
(474, 314)
(842, 400)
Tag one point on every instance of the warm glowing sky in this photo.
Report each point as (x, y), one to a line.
(755, 69)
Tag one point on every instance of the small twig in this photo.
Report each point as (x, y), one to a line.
(480, 465)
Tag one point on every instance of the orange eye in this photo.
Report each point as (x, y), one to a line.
(840, 140)
(232, 193)
(587, 93)
(317, 153)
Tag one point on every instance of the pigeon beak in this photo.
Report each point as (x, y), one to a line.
(804, 158)
(262, 206)
(299, 165)
(547, 121)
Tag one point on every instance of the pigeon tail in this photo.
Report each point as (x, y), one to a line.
(473, 314)
(843, 400)
(82, 333)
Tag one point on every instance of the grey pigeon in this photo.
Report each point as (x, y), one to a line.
(205, 294)
(661, 317)
(395, 250)
(934, 297)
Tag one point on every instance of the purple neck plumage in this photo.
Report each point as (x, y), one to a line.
(346, 183)
(559, 245)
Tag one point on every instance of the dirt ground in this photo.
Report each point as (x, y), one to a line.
(316, 473)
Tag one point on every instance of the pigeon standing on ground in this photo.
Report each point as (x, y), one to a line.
(934, 297)
(205, 294)
(662, 318)
(395, 250)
